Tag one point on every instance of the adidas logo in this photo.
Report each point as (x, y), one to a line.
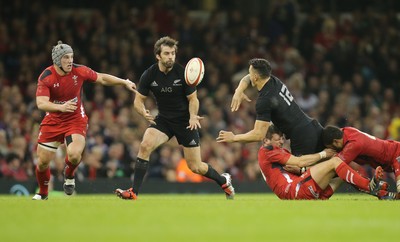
(154, 84)
(193, 142)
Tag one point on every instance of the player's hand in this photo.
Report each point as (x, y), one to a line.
(194, 122)
(147, 115)
(330, 152)
(130, 85)
(237, 99)
(292, 169)
(225, 136)
(69, 106)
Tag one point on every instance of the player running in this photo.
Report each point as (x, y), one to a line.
(59, 94)
(178, 107)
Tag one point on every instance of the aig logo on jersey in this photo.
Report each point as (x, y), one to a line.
(166, 89)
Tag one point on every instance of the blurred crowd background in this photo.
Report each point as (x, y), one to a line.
(340, 60)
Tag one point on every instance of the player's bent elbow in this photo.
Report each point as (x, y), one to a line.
(41, 106)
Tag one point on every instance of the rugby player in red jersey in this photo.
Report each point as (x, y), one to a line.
(362, 148)
(318, 182)
(59, 95)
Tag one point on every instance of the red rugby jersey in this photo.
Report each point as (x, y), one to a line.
(60, 89)
(271, 160)
(367, 149)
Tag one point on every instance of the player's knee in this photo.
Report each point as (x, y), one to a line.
(43, 162)
(74, 157)
(42, 166)
(195, 168)
(146, 148)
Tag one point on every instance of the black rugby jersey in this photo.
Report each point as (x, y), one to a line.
(170, 91)
(275, 103)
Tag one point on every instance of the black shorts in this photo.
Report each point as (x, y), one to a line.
(307, 139)
(184, 136)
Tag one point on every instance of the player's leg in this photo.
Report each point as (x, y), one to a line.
(331, 188)
(193, 159)
(50, 138)
(75, 144)
(304, 187)
(152, 139)
(322, 173)
(347, 174)
(190, 140)
(335, 183)
(46, 153)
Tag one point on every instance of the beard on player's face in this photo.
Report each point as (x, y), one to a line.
(168, 64)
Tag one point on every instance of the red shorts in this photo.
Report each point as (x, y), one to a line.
(58, 132)
(306, 188)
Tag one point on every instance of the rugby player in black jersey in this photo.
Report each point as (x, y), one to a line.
(275, 105)
(178, 107)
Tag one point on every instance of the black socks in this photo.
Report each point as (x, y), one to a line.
(140, 171)
(213, 174)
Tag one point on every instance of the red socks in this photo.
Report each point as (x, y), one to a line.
(70, 169)
(43, 178)
(349, 175)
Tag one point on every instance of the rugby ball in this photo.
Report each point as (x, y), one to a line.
(194, 72)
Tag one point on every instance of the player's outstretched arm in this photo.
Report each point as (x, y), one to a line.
(239, 95)
(255, 135)
(110, 80)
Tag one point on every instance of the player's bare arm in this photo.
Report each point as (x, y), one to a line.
(255, 135)
(138, 104)
(43, 103)
(309, 160)
(292, 169)
(194, 121)
(239, 95)
(110, 80)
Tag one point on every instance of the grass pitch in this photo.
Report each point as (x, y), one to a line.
(166, 217)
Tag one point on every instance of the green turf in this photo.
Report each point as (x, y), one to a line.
(250, 217)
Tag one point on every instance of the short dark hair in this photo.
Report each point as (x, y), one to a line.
(272, 129)
(331, 133)
(262, 66)
(166, 40)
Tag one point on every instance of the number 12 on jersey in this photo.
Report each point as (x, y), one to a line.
(285, 94)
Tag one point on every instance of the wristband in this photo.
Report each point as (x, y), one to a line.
(322, 154)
